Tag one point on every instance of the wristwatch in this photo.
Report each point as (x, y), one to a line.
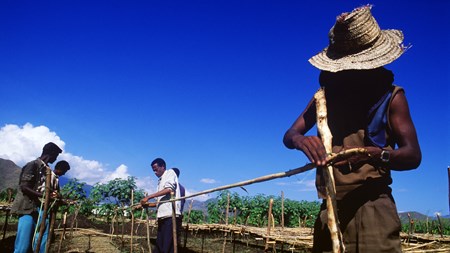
(385, 155)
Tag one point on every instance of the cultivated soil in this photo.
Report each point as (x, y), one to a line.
(93, 236)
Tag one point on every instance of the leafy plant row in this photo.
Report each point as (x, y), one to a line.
(106, 200)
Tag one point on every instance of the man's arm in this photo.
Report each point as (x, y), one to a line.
(408, 155)
(295, 138)
(163, 192)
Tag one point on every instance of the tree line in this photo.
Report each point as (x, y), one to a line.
(105, 199)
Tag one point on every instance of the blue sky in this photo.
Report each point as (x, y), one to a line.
(210, 86)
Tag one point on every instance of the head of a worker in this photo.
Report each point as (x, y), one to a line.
(158, 166)
(61, 168)
(50, 152)
(177, 171)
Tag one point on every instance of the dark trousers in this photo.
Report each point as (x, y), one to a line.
(164, 237)
(369, 222)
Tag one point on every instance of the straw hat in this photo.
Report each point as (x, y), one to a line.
(357, 42)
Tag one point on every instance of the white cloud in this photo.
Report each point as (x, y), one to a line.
(89, 171)
(23, 144)
(148, 184)
(208, 181)
(120, 172)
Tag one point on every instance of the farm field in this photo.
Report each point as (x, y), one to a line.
(93, 236)
(89, 236)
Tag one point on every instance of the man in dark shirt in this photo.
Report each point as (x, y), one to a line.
(27, 202)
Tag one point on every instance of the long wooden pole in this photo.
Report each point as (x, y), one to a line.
(48, 177)
(326, 136)
(330, 159)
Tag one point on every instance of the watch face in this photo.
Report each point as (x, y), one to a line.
(385, 156)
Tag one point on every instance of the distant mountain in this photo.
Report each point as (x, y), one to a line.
(418, 216)
(198, 205)
(10, 173)
(414, 215)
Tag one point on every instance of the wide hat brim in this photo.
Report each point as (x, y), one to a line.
(385, 50)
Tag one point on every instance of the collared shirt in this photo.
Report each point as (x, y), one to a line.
(54, 183)
(168, 180)
(30, 177)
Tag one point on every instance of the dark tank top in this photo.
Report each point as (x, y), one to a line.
(349, 116)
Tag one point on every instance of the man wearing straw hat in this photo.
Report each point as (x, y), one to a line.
(365, 110)
(167, 183)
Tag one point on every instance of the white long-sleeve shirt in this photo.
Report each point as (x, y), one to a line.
(168, 180)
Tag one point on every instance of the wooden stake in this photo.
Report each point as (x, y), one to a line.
(326, 136)
(228, 208)
(282, 210)
(51, 229)
(148, 230)
(123, 228)
(448, 172)
(187, 223)
(226, 223)
(440, 225)
(112, 223)
(203, 241)
(140, 218)
(410, 228)
(63, 233)
(74, 219)
(224, 242)
(48, 177)
(132, 221)
(269, 223)
(5, 226)
(174, 224)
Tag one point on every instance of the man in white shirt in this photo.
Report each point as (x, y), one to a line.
(167, 183)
